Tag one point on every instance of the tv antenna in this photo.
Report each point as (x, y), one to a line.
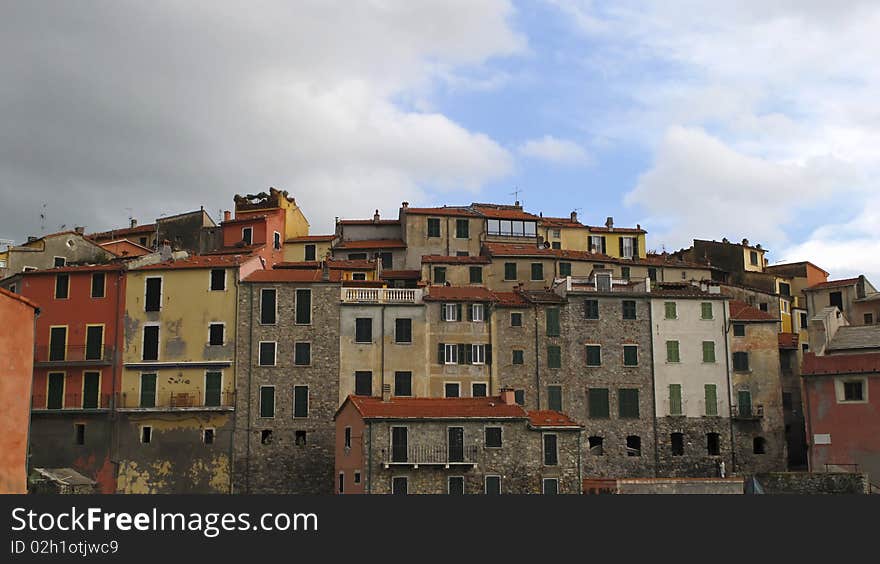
(516, 194)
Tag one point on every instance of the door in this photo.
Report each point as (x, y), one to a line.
(398, 444)
(90, 390)
(94, 342)
(456, 444)
(744, 398)
(55, 399)
(399, 485)
(212, 389)
(148, 390)
(57, 343)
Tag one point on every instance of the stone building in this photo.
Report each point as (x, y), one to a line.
(287, 381)
(52, 251)
(487, 445)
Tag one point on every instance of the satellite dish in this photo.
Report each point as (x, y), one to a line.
(546, 244)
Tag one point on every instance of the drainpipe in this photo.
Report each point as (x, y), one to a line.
(369, 457)
(805, 393)
(653, 390)
(27, 453)
(727, 328)
(117, 375)
(234, 391)
(247, 470)
(382, 350)
(537, 363)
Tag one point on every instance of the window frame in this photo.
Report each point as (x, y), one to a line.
(211, 280)
(274, 353)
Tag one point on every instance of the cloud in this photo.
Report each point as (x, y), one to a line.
(117, 108)
(559, 151)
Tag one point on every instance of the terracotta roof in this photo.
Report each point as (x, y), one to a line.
(834, 284)
(439, 259)
(683, 290)
(235, 250)
(340, 264)
(369, 222)
(864, 363)
(198, 261)
(75, 268)
(741, 311)
(445, 210)
(307, 265)
(788, 340)
(494, 211)
(436, 408)
(603, 229)
(400, 274)
(459, 294)
(372, 244)
(510, 299)
(244, 219)
(292, 275)
(533, 250)
(548, 418)
(543, 297)
(18, 297)
(310, 239)
(560, 222)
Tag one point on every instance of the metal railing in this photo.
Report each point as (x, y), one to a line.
(176, 400)
(83, 354)
(430, 454)
(382, 295)
(747, 411)
(71, 401)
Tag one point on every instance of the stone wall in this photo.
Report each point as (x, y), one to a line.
(695, 460)
(814, 483)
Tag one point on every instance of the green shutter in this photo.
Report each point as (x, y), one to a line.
(711, 400)
(628, 403)
(670, 310)
(674, 399)
(552, 321)
(744, 399)
(564, 269)
(708, 351)
(630, 355)
(599, 404)
(212, 388)
(55, 400)
(672, 351)
(554, 357)
(706, 310)
(148, 390)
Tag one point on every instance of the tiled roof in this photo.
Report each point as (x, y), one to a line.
(198, 261)
(310, 239)
(855, 337)
(682, 290)
(372, 244)
(603, 229)
(341, 264)
(493, 211)
(653, 259)
(460, 211)
(788, 340)
(369, 222)
(864, 363)
(533, 250)
(400, 274)
(834, 284)
(560, 222)
(76, 268)
(236, 250)
(543, 297)
(741, 311)
(548, 418)
(510, 299)
(436, 408)
(18, 297)
(244, 219)
(438, 259)
(459, 294)
(292, 275)
(123, 232)
(306, 264)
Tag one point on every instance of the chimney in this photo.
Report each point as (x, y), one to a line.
(79, 230)
(574, 217)
(31, 239)
(386, 392)
(609, 222)
(508, 396)
(725, 240)
(745, 242)
(376, 217)
(165, 250)
(516, 203)
(134, 222)
(325, 271)
(639, 226)
(404, 205)
(227, 215)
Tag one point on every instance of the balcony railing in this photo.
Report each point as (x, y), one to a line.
(747, 411)
(430, 455)
(382, 295)
(176, 400)
(83, 355)
(41, 402)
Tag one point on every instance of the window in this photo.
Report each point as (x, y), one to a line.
(598, 403)
(627, 247)
(358, 276)
(267, 401)
(79, 433)
(519, 396)
(461, 229)
(363, 330)
(741, 361)
(597, 244)
(713, 444)
(556, 233)
(624, 272)
(363, 383)
(311, 253)
(554, 357)
(510, 271)
(302, 354)
(98, 279)
(493, 437)
(266, 436)
(672, 351)
(151, 343)
(763, 306)
(218, 279)
(57, 343)
(596, 446)
(146, 434)
(300, 401)
(357, 256)
(652, 274)
(148, 390)
(629, 309)
(594, 355)
(591, 309)
(452, 390)
(551, 454)
(552, 315)
(706, 310)
(403, 330)
(91, 390)
(403, 384)
(247, 235)
(357, 477)
(753, 258)
(603, 282)
(399, 485)
(153, 298)
(347, 442)
(554, 398)
(477, 312)
(62, 286)
(711, 400)
(759, 445)
(675, 399)
(628, 403)
(451, 312)
(739, 330)
(215, 334)
(387, 260)
(516, 319)
(676, 443)
(869, 319)
(94, 342)
(456, 485)
(276, 240)
(268, 306)
(267, 353)
(537, 271)
(143, 241)
(439, 274)
(476, 274)
(455, 444)
(478, 354)
(303, 307)
(671, 310)
(804, 321)
(708, 351)
(58, 262)
(55, 397)
(462, 254)
(208, 436)
(630, 355)
(493, 485)
(433, 227)
(853, 390)
(633, 445)
(564, 269)
(448, 353)
(299, 438)
(518, 356)
(213, 385)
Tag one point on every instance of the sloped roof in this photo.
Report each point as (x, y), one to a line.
(400, 274)
(436, 408)
(439, 259)
(498, 211)
(310, 239)
(834, 284)
(198, 261)
(560, 222)
(459, 293)
(741, 311)
(549, 418)
(18, 297)
(372, 244)
(856, 337)
(510, 299)
(462, 211)
(293, 275)
(865, 363)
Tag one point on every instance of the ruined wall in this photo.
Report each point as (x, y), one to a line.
(694, 460)
(814, 483)
(53, 445)
(726, 486)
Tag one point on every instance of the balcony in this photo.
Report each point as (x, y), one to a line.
(747, 412)
(382, 295)
(430, 455)
(194, 400)
(73, 355)
(71, 402)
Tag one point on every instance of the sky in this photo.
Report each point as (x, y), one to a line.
(695, 119)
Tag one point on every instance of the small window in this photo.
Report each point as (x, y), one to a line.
(652, 274)
(151, 343)
(363, 383)
(439, 275)
(564, 269)
(624, 272)
(854, 390)
(552, 320)
(276, 240)
(452, 390)
(98, 281)
(869, 319)
(671, 310)
(79, 433)
(603, 282)
(399, 485)
(267, 401)
(516, 319)
(310, 253)
(706, 310)
(300, 401)
(359, 276)
(58, 262)
(403, 384)
(554, 398)
(672, 354)
(266, 437)
(451, 312)
(341, 482)
(302, 354)
(713, 444)
(363, 330)
(629, 309)
(493, 437)
(708, 351)
(357, 477)
(676, 443)
(143, 241)
(462, 254)
(347, 442)
(510, 271)
(633, 445)
(493, 485)
(763, 306)
(146, 434)
(303, 307)
(518, 356)
(450, 353)
(519, 397)
(476, 274)
(551, 454)
(433, 227)
(357, 256)
(753, 258)
(628, 403)
(268, 306)
(537, 271)
(594, 355)
(462, 230)
(739, 330)
(477, 312)
(591, 309)
(759, 445)
(554, 357)
(218, 279)
(62, 286)
(208, 436)
(403, 330)
(630, 355)
(216, 334)
(479, 390)
(299, 438)
(741, 361)
(596, 445)
(247, 235)
(456, 485)
(598, 403)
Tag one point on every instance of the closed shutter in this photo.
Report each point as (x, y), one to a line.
(458, 312)
(711, 400)
(212, 388)
(674, 399)
(553, 322)
(598, 402)
(635, 247)
(620, 240)
(56, 391)
(90, 390)
(462, 353)
(441, 353)
(148, 390)
(488, 354)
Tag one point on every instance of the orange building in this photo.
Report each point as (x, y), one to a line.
(16, 345)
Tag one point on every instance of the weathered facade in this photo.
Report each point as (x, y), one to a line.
(51, 251)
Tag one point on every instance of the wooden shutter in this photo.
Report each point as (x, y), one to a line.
(674, 399)
(441, 353)
(212, 388)
(620, 240)
(636, 247)
(488, 354)
(461, 353)
(711, 400)
(458, 312)
(470, 312)
(90, 390)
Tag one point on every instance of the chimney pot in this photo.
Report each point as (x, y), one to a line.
(376, 217)
(609, 222)
(32, 238)
(574, 217)
(386, 392)
(745, 242)
(134, 222)
(227, 215)
(404, 205)
(508, 396)
(79, 230)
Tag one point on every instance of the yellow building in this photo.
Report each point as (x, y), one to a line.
(178, 385)
(308, 248)
(618, 242)
(565, 233)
